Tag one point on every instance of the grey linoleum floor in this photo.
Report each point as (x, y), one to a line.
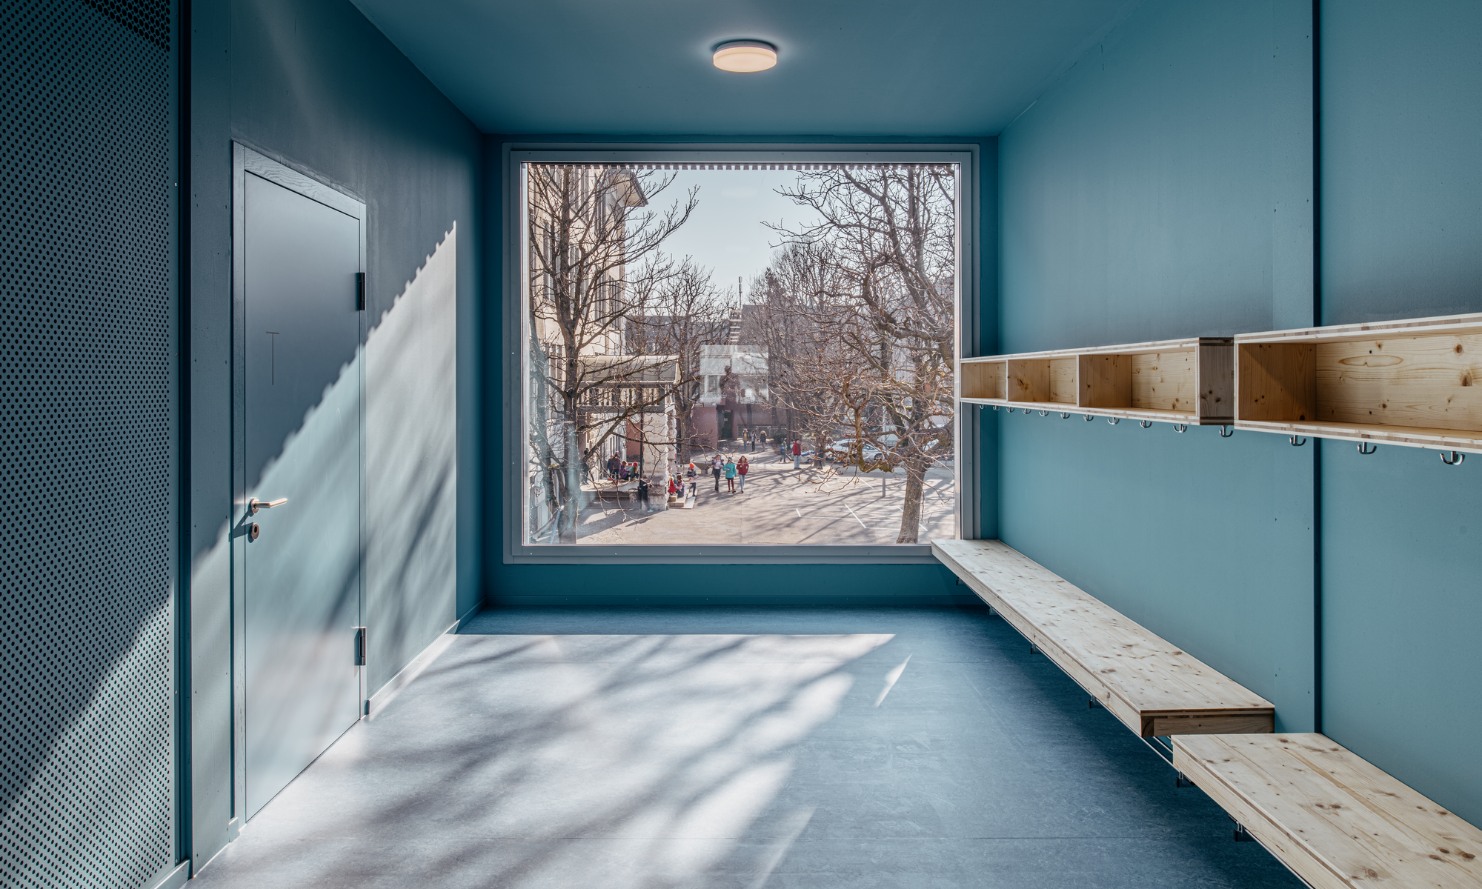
(740, 747)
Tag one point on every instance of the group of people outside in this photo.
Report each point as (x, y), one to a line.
(732, 470)
(619, 470)
(682, 485)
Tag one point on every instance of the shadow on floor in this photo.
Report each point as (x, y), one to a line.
(741, 747)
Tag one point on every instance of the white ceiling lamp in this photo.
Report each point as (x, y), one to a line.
(745, 56)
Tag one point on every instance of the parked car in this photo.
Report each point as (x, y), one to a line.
(869, 453)
(837, 450)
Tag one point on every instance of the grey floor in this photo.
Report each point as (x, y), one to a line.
(731, 747)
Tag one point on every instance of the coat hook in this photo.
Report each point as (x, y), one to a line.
(1011, 410)
(1455, 459)
(1180, 427)
(1365, 447)
(1064, 416)
(1146, 424)
(1296, 441)
(1089, 418)
(1044, 413)
(1114, 420)
(1226, 432)
(995, 407)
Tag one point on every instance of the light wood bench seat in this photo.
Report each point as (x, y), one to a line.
(1335, 819)
(1151, 686)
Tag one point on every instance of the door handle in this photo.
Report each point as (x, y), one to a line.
(254, 504)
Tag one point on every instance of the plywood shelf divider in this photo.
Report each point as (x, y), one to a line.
(1186, 381)
(1154, 688)
(1415, 383)
(1336, 820)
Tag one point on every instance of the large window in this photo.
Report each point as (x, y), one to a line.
(718, 355)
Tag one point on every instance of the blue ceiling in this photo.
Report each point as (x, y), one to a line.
(846, 68)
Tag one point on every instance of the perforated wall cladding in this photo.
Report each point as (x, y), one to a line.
(86, 307)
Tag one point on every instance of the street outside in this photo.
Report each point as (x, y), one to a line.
(780, 505)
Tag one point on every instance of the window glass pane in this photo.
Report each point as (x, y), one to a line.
(739, 356)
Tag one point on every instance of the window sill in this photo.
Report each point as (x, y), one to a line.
(580, 554)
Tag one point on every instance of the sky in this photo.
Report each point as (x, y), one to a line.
(725, 233)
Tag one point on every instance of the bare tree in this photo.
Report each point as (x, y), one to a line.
(887, 237)
(792, 320)
(686, 312)
(594, 261)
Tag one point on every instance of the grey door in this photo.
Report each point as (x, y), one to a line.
(301, 441)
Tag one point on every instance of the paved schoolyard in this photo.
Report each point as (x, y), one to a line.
(782, 505)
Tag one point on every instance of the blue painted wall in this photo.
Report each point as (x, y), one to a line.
(787, 584)
(1401, 225)
(1161, 189)
(1164, 187)
(318, 87)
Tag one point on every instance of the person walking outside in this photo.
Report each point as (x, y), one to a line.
(643, 492)
(731, 475)
(612, 467)
(797, 454)
(742, 468)
(715, 471)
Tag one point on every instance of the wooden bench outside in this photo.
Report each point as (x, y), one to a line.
(1335, 819)
(1153, 687)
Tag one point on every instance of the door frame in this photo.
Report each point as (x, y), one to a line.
(247, 160)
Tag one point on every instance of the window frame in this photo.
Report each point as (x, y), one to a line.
(511, 441)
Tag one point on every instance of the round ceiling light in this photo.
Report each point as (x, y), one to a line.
(745, 56)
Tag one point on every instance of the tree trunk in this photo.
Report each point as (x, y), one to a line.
(571, 472)
(916, 463)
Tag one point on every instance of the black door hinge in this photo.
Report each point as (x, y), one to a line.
(360, 646)
(360, 291)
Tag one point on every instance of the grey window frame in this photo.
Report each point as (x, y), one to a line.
(512, 430)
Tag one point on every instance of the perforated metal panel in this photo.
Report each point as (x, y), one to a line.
(87, 651)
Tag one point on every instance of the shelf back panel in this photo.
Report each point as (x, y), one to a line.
(1428, 381)
(983, 379)
(1062, 380)
(1029, 379)
(1105, 380)
(1165, 381)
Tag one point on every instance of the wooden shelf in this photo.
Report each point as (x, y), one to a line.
(1175, 381)
(1416, 383)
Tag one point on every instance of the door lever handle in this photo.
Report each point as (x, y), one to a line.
(254, 504)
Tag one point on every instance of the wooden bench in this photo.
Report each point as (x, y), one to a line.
(1333, 818)
(1151, 686)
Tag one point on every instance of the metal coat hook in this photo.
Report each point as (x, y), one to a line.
(1455, 459)
(1044, 413)
(1114, 420)
(1296, 441)
(1011, 410)
(1064, 416)
(1366, 448)
(995, 407)
(1146, 424)
(1089, 418)
(1180, 427)
(1226, 432)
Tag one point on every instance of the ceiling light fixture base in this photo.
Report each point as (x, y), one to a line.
(744, 56)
